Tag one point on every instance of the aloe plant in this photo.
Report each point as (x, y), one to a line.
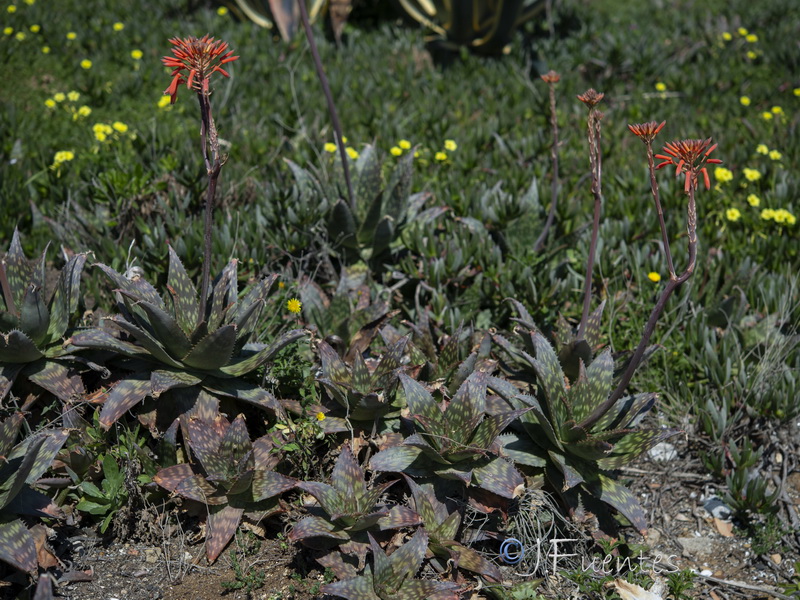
(456, 443)
(23, 465)
(392, 577)
(33, 330)
(347, 509)
(236, 477)
(579, 455)
(176, 355)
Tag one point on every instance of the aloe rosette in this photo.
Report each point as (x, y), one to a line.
(234, 477)
(33, 331)
(457, 442)
(393, 577)
(24, 464)
(579, 451)
(171, 349)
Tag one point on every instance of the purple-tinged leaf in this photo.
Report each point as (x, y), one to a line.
(214, 350)
(8, 374)
(241, 485)
(327, 496)
(617, 495)
(471, 560)
(267, 484)
(123, 396)
(16, 347)
(551, 377)
(367, 502)
(166, 329)
(369, 521)
(17, 547)
(182, 292)
(396, 459)
(224, 295)
(147, 341)
(64, 383)
(18, 273)
(358, 588)
(182, 480)
(222, 524)
(162, 380)
(66, 296)
(335, 562)
(236, 441)
(245, 364)
(245, 392)
(383, 377)
(101, 339)
(593, 330)
(571, 475)
(16, 469)
(44, 587)
(467, 407)
(488, 430)
(9, 429)
(53, 441)
(311, 527)
(593, 385)
(382, 573)
(34, 317)
(35, 504)
(348, 479)
(205, 438)
(333, 367)
(499, 477)
(361, 378)
(264, 458)
(400, 517)
(404, 562)
(137, 287)
(632, 445)
(627, 411)
(521, 451)
(420, 402)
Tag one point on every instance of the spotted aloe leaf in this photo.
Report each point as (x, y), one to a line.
(102, 339)
(549, 373)
(58, 379)
(626, 411)
(165, 328)
(397, 459)
(214, 350)
(17, 547)
(9, 429)
(617, 495)
(182, 293)
(467, 408)
(317, 527)
(8, 374)
(205, 438)
(251, 361)
(34, 316)
(421, 403)
(17, 347)
(123, 396)
(16, 470)
(222, 524)
(499, 477)
(632, 445)
(245, 392)
(267, 484)
(592, 386)
(162, 380)
(182, 480)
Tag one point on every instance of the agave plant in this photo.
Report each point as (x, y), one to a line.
(456, 443)
(33, 330)
(485, 26)
(347, 509)
(579, 450)
(24, 464)
(442, 527)
(392, 577)
(194, 359)
(236, 477)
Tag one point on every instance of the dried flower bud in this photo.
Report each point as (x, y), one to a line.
(591, 97)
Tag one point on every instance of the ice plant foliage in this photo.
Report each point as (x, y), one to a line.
(200, 58)
(690, 158)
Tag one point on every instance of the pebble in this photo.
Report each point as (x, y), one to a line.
(663, 452)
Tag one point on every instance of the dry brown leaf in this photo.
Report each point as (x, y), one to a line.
(724, 527)
(631, 591)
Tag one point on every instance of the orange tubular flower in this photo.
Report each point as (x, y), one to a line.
(201, 58)
(689, 157)
(647, 131)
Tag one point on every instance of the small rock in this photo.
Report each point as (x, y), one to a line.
(152, 555)
(697, 546)
(776, 558)
(663, 452)
(705, 573)
(717, 508)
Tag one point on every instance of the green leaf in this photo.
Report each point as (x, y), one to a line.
(310, 527)
(137, 288)
(101, 339)
(247, 363)
(162, 380)
(17, 547)
(421, 403)
(348, 479)
(383, 236)
(593, 386)
(333, 367)
(625, 410)
(342, 225)
(267, 484)
(593, 329)
(214, 350)
(499, 477)
(93, 508)
(63, 382)
(222, 524)
(147, 341)
(632, 445)
(16, 469)
(399, 189)
(9, 429)
(16, 347)
(235, 442)
(551, 377)
(617, 495)
(361, 376)
(34, 317)
(166, 330)
(357, 588)
(66, 296)
(328, 497)
(395, 460)
(183, 294)
(245, 392)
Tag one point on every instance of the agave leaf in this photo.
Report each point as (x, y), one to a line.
(245, 316)
(126, 394)
(65, 297)
(617, 495)
(246, 363)
(499, 477)
(17, 546)
(16, 470)
(224, 296)
(592, 331)
(591, 448)
(235, 442)
(572, 476)
(214, 350)
(166, 329)
(625, 411)
(183, 294)
(205, 438)
(593, 385)
(309, 527)
(357, 588)
(333, 367)
(246, 392)
(9, 429)
(348, 480)
(8, 374)
(56, 378)
(16, 347)
(395, 459)
(420, 402)
(467, 407)
(147, 341)
(328, 497)
(222, 524)
(101, 339)
(549, 372)
(632, 445)
(342, 225)
(162, 380)
(267, 484)
(34, 317)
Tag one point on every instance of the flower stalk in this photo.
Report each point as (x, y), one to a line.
(551, 78)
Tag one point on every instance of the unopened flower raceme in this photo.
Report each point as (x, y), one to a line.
(690, 157)
(200, 58)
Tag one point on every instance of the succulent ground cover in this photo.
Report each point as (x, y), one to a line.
(403, 348)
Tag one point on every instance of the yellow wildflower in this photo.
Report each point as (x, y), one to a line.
(59, 97)
(329, 147)
(654, 277)
(440, 156)
(84, 111)
(119, 126)
(767, 214)
(395, 151)
(351, 152)
(742, 31)
(11, 8)
(320, 416)
(762, 149)
(35, 28)
(50, 103)
(8, 30)
(780, 215)
(20, 36)
(751, 37)
(164, 102)
(136, 54)
(344, 139)
(790, 219)
(661, 87)
(753, 200)
(766, 115)
(222, 11)
(118, 26)
(86, 64)
(752, 55)
(722, 174)
(281, 285)
(404, 144)
(796, 91)
(751, 174)
(744, 101)
(73, 96)
(62, 156)
(71, 35)
(293, 305)
(777, 110)
(45, 49)
(775, 155)
(450, 145)
(733, 214)
(727, 36)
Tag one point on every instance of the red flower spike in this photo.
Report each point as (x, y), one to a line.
(690, 157)
(647, 131)
(201, 58)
